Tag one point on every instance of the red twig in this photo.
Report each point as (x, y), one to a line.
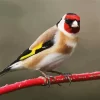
(42, 81)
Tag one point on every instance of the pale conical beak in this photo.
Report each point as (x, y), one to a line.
(74, 24)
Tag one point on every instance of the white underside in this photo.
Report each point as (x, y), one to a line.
(51, 61)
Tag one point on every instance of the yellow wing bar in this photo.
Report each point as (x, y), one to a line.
(32, 52)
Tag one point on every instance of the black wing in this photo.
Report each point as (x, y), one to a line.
(27, 51)
(46, 45)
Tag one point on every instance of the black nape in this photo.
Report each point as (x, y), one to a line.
(58, 22)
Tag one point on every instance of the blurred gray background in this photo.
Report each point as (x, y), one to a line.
(22, 21)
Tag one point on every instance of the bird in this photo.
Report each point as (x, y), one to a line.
(51, 48)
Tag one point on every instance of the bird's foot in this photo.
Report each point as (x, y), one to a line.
(49, 81)
(66, 75)
(47, 77)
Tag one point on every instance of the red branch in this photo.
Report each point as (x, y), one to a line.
(42, 81)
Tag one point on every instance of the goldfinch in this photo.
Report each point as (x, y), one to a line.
(51, 48)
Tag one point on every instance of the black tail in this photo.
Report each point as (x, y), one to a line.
(7, 69)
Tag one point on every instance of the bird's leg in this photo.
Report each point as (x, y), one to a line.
(47, 77)
(65, 74)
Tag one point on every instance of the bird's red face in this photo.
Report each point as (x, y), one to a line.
(69, 23)
(72, 23)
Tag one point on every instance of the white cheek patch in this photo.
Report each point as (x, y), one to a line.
(61, 24)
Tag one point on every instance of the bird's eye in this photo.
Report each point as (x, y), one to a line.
(68, 21)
